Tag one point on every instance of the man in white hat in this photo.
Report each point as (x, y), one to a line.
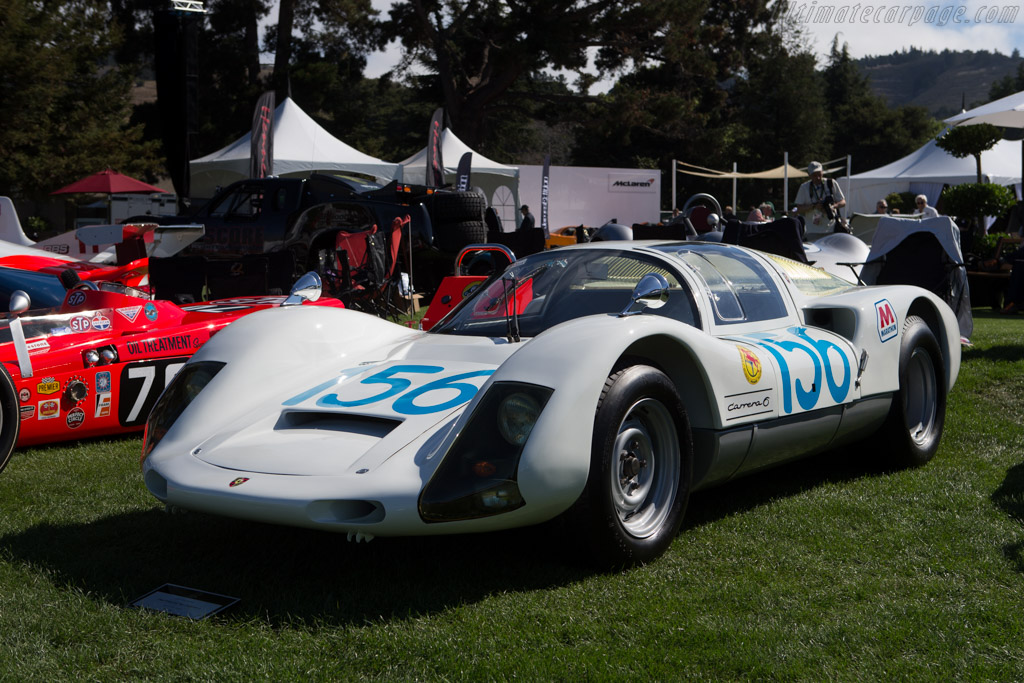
(819, 200)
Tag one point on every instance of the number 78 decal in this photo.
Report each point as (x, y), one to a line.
(416, 401)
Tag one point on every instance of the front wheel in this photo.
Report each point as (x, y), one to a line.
(913, 429)
(10, 423)
(640, 472)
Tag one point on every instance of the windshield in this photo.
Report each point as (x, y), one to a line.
(553, 287)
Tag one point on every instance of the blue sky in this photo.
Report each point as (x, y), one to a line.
(883, 27)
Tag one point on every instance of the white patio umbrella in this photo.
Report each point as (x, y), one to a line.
(1006, 112)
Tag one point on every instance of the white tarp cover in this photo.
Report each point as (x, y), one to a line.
(301, 146)
(892, 231)
(499, 182)
(926, 170)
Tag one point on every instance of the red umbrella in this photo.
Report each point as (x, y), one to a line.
(108, 182)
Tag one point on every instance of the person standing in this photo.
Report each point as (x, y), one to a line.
(922, 209)
(819, 200)
(529, 222)
(881, 206)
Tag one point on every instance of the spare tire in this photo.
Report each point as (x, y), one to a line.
(453, 236)
(450, 207)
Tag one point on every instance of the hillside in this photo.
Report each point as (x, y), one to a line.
(937, 81)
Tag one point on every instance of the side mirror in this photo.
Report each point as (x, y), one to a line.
(20, 302)
(650, 292)
(306, 288)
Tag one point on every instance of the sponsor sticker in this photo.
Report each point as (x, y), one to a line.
(24, 395)
(28, 412)
(80, 324)
(75, 418)
(888, 326)
(130, 313)
(47, 386)
(103, 381)
(49, 408)
(100, 322)
(151, 312)
(102, 405)
(238, 482)
(76, 298)
(38, 346)
(178, 342)
(751, 365)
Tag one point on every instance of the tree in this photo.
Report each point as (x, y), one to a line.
(862, 124)
(63, 108)
(477, 51)
(970, 140)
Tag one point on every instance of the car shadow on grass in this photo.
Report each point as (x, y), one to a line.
(1002, 353)
(848, 463)
(286, 575)
(1009, 498)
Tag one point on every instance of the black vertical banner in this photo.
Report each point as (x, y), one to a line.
(545, 185)
(463, 172)
(175, 63)
(435, 164)
(261, 152)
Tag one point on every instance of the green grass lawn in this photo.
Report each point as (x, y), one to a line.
(830, 568)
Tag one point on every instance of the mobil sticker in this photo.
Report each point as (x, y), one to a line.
(885, 318)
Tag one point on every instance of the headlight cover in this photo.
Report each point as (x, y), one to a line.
(185, 386)
(477, 477)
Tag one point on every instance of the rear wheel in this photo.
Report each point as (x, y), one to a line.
(10, 423)
(913, 429)
(641, 464)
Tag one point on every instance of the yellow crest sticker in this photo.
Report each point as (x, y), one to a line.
(751, 365)
(48, 385)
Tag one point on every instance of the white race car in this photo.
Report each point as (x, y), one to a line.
(601, 383)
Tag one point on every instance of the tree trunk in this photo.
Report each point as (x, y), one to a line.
(283, 54)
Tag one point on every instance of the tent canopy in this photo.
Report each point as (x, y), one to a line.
(926, 170)
(500, 183)
(301, 146)
(1007, 112)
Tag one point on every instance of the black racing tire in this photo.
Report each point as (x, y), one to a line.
(640, 471)
(452, 237)
(452, 207)
(913, 429)
(10, 417)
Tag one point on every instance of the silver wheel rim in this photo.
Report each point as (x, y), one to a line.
(645, 472)
(921, 396)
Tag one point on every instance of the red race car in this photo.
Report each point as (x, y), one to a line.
(96, 364)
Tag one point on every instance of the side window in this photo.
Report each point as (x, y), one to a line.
(738, 288)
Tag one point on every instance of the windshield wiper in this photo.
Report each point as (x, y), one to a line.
(511, 317)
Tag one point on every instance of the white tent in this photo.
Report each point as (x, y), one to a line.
(927, 169)
(499, 182)
(301, 146)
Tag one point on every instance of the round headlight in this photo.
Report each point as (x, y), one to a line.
(517, 414)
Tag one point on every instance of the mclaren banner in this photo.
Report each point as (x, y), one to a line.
(462, 174)
(633, 182)
(545, 193)
(261, 153)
